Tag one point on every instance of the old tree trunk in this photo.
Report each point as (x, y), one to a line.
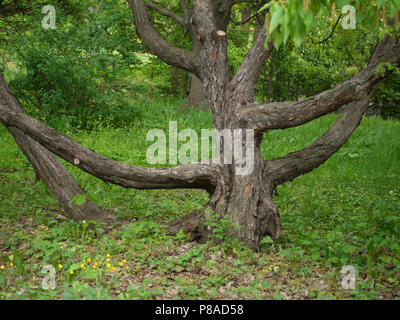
(247, 200)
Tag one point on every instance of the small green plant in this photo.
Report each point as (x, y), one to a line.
(140, 230)
(181, 236)
(221, 226)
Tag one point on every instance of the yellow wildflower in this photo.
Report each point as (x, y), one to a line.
(71, 272)
(60, 266)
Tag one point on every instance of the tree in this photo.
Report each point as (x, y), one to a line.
(247, 200)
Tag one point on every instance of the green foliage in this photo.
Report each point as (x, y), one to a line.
(345, 212)
(292, 20)
(75, 75)
(79, 199)
(81, 75)
(82, 290)
(298, 72)
(140, 230)
(387, 96)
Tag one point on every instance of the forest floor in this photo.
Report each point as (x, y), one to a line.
(347, 212)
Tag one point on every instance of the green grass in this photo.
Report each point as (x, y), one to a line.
(346, 212)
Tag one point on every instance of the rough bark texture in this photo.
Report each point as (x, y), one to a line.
(49, 169)
(247, 200)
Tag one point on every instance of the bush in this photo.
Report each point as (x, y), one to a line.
(73, 76)
(387, 95)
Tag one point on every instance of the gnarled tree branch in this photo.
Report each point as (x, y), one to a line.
(165, 12)
(196, 176)
(282, 115)
(280, 170)
(49, 168)
(181, 58)
(245, 79)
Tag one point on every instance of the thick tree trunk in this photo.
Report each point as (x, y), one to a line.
(246, 200)
(50, 170)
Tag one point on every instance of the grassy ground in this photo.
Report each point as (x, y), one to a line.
(344, 213)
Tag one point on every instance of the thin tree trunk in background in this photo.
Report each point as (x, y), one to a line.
(196, 98)
(270, 76)
(186, 83)
(60, 182)
(262, 87)
(174, 80)
(246, 15)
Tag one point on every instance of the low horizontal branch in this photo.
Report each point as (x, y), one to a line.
(47, 167)
(197, 176)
